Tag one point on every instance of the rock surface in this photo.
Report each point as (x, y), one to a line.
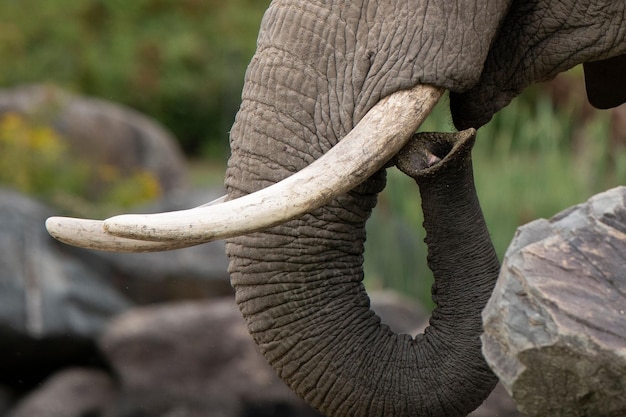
(74, 392)
(55, 299)
(44, 290)
(190, 357)
(555, 327)
(52, 304)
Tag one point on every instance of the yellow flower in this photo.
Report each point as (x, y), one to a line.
(46, 141)
(149, 185)
(10, 126)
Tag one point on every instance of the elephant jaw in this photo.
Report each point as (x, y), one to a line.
(384, 130)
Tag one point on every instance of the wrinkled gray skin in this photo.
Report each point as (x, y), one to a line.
(319, 67)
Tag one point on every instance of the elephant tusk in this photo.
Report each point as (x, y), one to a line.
(91, 234)
(382, 132)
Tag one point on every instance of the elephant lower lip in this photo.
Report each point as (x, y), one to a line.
(383, 131)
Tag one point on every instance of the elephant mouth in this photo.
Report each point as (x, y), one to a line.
(375, 140)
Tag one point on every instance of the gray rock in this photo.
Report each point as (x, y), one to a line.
(102, 132)
(187, 358)
(71, 393)
(48, 288)
(52, 304)
(44, 291)
(498, 404)
(555, 326)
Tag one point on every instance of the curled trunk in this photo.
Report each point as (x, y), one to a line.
(299, 286)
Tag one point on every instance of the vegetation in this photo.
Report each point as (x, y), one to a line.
(35, 160)
(180, 61)
(183, 62)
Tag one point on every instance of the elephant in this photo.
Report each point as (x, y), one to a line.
(333, 93)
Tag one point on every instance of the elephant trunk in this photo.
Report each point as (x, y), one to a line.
(299, 287)
(460, 252)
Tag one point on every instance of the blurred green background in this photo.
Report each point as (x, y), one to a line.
(179, 61)
(182, 62)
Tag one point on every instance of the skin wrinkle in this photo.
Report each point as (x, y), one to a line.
(399, 346)
(268, 161)
(314, 394)
(382, 358)
(409, 40)
(386, 82)
(298, 15)
(358, 71)
(340, 377)
(535, 44)
(268, 108)
(311, 357)
(328, 362)
(372, 93)
(357, 81)
(379, 66)
(314, 347)
(374, 363)
(321, 107)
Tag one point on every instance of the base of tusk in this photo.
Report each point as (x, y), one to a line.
(383, 131)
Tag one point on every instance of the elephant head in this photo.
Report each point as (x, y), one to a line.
(333, 93)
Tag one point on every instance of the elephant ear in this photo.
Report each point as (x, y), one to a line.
(606, 82)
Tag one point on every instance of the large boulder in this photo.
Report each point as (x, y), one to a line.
(55, 300)
(189, 358)
(44, 290)
(52, 304)
(75, 392)
(103, 132)
(555, 326)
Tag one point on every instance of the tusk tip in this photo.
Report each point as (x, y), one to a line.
(91, 234)
(66, 226)
(73, 231)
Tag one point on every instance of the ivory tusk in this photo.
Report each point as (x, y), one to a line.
(383, 131)
(91, 234)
